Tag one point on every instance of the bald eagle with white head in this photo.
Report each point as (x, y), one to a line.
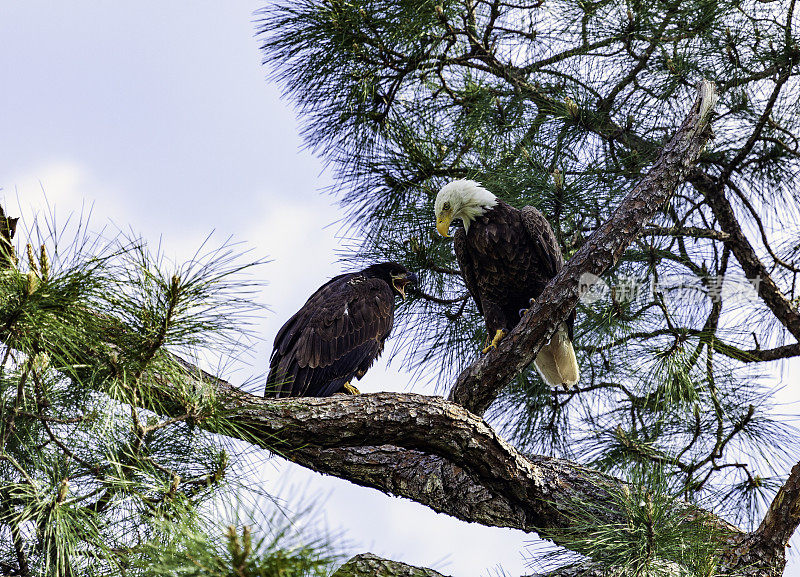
(507, 256)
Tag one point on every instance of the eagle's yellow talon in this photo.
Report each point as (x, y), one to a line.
(523, 312)
(498, 336)
(349, 389)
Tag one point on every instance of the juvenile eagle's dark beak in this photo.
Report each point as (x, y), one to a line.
(402, 280)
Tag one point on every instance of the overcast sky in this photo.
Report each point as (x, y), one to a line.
(160, 117)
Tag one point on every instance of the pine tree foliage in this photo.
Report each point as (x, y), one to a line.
(652, 539)
(563, 105)
(292, 548)
(91, 483)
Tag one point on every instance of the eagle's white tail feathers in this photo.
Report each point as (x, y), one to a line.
(556, 362)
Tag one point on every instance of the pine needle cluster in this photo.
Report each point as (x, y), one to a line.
(656, 534)
(93, 481)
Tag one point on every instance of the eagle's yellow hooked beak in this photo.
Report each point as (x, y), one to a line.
(443, 224)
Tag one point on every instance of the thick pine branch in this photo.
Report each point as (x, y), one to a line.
(369, 565)
(480, 383)
(423, 448)
(436, 453)
(783, 516)
(758, 355)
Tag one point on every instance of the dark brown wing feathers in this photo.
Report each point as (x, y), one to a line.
(338, 333)
(466, 266)
(506, 258)
(544, 239)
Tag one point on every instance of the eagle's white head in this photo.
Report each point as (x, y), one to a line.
(464, 199)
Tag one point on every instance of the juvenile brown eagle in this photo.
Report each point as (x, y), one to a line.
(337, 334)
(507, 257)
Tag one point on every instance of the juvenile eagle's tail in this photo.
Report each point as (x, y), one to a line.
(556, 361)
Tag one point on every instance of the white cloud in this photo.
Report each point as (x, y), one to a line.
(59, 187)
(295, 235)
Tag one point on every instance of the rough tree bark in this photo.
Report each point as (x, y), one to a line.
(426, 449)
(765, 548)
(442, 455)
(369, 565)
(435, 452)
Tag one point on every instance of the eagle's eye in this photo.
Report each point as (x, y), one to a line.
(446, 206)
